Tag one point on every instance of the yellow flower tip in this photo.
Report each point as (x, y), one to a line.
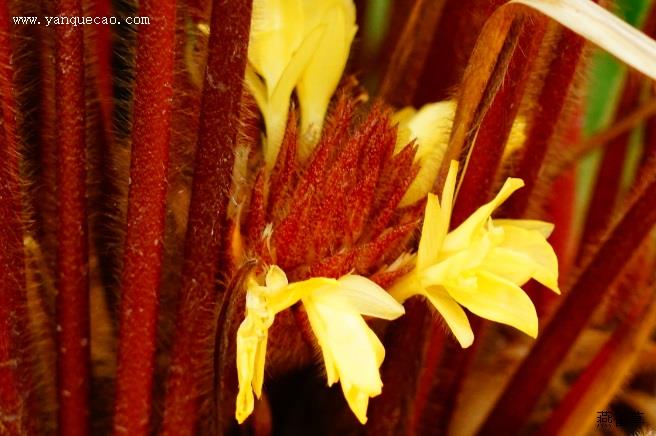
(358, 402)
(515, 183)
(245, 406)
(466, 343)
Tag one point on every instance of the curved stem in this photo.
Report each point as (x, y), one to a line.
(486, 154)
(549, 107)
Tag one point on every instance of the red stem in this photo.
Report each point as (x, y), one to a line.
(559, 210)
(45, 198)
(146, 218)
(14, 376)
(594, 371)
(487, 153)
(650, 128)
(72, 255)
(103, 160)
(447, 57)
(535, 372)
(550, 104)
(103, 62)
(401, 77)
(609, 176)
(192, 357)
(392, 412)
(482, 166)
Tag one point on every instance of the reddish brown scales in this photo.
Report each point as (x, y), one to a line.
(351, 182)
(396, 177)
(284, 172)
(256, 217)
(377, 151)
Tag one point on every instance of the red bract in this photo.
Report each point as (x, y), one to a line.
(337, 213)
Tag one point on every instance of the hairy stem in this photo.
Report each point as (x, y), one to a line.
(550, 104)
(487, 152)
(609, 176)
(146, 218)
(197, 307)
(14, 376)
(401, 78)
(72, 245)
(535, 372)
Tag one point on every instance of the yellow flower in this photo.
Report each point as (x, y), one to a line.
(302, 44)
(480, 265)
(352, 353)
(430, 128)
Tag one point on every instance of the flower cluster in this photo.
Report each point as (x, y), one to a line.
(351, 351)
(334, 209)
(481, 264)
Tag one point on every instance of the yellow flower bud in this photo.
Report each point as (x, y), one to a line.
(302, 45)
(324, 71)
(430, 128)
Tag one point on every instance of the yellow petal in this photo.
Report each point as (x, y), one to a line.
(532, 245)
(277, 110)
(276, 278)
(508, 264)
(461, 237)
(324, 70)
(246, 353)
(292, 293)
(452, 313)
(432, 234)
(498, 300)
(406, 286)
(347, 337)
(319, 329)
(542, 227)
(369, 299)
(430, 127)
(456, 264)
(259, 360)
(276, 33)
(357, 400)
(436, 221)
